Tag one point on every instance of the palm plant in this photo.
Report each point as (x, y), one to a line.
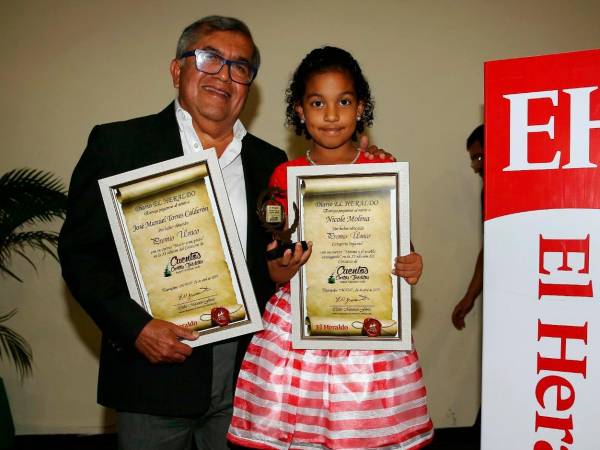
(28, 197)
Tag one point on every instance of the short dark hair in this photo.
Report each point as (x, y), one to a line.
(476, 136)
(210, 24)
(321, 60)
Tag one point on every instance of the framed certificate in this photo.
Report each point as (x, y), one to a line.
(345, 296)
(179, 248)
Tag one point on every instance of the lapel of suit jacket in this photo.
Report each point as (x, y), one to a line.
(161, 138)
(253, 179)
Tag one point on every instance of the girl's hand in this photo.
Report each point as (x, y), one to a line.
(372, 151)
(283, 269)
(409, 267)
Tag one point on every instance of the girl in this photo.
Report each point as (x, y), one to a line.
(333, 399)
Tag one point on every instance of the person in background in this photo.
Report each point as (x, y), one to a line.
(475, 145)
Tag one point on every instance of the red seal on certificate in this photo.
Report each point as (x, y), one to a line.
(220, 316)
(371, 327)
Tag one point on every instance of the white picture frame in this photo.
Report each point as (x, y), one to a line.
(304, 333)
(112, 189)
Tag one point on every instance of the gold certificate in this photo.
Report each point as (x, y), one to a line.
(178, 251)
(345, 296)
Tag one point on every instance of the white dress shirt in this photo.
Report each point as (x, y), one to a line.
(230, 162)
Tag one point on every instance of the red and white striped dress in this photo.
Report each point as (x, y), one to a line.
(325, 399)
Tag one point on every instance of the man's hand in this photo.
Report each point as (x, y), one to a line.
(159, 342)
(283, 269)
(409, 267)
(371, 151)
(461, 310)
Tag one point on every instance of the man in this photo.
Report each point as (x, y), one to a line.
(465, 305)
(164, 391)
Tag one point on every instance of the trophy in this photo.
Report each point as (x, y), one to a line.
(273, 218)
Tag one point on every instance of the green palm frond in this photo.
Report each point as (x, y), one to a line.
(18, 242)
(28, 197)
(14, 347)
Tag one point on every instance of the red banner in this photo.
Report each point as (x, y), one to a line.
(542, 133)
(541, 321)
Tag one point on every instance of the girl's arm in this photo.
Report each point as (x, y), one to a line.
(409, 267)
(283, 269)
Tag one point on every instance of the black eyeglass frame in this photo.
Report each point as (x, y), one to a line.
(224, 61)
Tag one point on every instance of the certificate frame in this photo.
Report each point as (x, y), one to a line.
(304, 334)
(216, 206)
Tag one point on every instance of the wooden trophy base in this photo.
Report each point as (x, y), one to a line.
(277, 252)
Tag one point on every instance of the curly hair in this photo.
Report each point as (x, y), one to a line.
(322, 60)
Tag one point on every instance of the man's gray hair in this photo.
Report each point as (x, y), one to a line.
(210, 24)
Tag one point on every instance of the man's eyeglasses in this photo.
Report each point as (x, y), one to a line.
(211, 63)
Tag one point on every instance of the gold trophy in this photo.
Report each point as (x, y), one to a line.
(273, 218)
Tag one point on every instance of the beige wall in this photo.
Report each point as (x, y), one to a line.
(68, 65)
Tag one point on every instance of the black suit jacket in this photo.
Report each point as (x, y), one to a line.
(92, 271)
